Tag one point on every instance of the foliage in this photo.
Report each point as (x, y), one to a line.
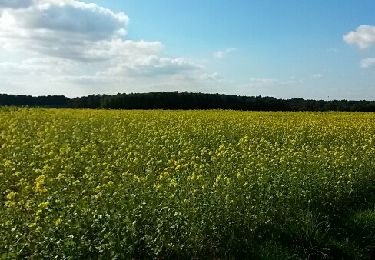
(186, 101)
(186, 184)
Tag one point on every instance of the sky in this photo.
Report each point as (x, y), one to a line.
(292, 48)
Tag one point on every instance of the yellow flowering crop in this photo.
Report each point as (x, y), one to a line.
(85, 184)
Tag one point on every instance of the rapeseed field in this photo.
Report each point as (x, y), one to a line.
(186, 184)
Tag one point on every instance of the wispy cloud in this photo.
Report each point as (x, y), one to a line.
(317, 76)
(367, 63)
(223, 53)
(272, 82)
(215, 76)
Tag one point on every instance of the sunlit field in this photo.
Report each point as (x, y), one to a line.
(187, 184)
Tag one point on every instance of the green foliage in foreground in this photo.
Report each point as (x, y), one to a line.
(194, 184)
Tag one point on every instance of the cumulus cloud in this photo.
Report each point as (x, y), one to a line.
(150, 66)
(363, 36)
(223, 53)
(67, 29)
(87, 20)
(367, 63)
(86, 42)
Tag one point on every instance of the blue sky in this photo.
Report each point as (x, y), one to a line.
(293, 48)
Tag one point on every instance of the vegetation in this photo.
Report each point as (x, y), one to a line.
(185, 100)
(186, 184)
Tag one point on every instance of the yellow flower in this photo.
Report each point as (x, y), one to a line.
(43, 205)
(58, 222)
(39, 184)
(11, 195)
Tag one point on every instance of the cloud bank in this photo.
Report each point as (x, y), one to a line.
(87, 43)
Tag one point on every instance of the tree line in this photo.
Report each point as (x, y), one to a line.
(185, 101)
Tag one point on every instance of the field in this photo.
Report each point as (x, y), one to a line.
(186, 184)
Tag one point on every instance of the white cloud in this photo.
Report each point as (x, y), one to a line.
(81, 48)
(271, 82)
(317, 76)
(150, 66)
(263, 81)
(363, 36)
(215, 76)
(67, 29)
(37, 66)
(89, 21)
(368, 63)
(223, 53)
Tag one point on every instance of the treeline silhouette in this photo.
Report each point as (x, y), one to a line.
(187, 100)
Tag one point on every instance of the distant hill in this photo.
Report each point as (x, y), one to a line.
(186, 100)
